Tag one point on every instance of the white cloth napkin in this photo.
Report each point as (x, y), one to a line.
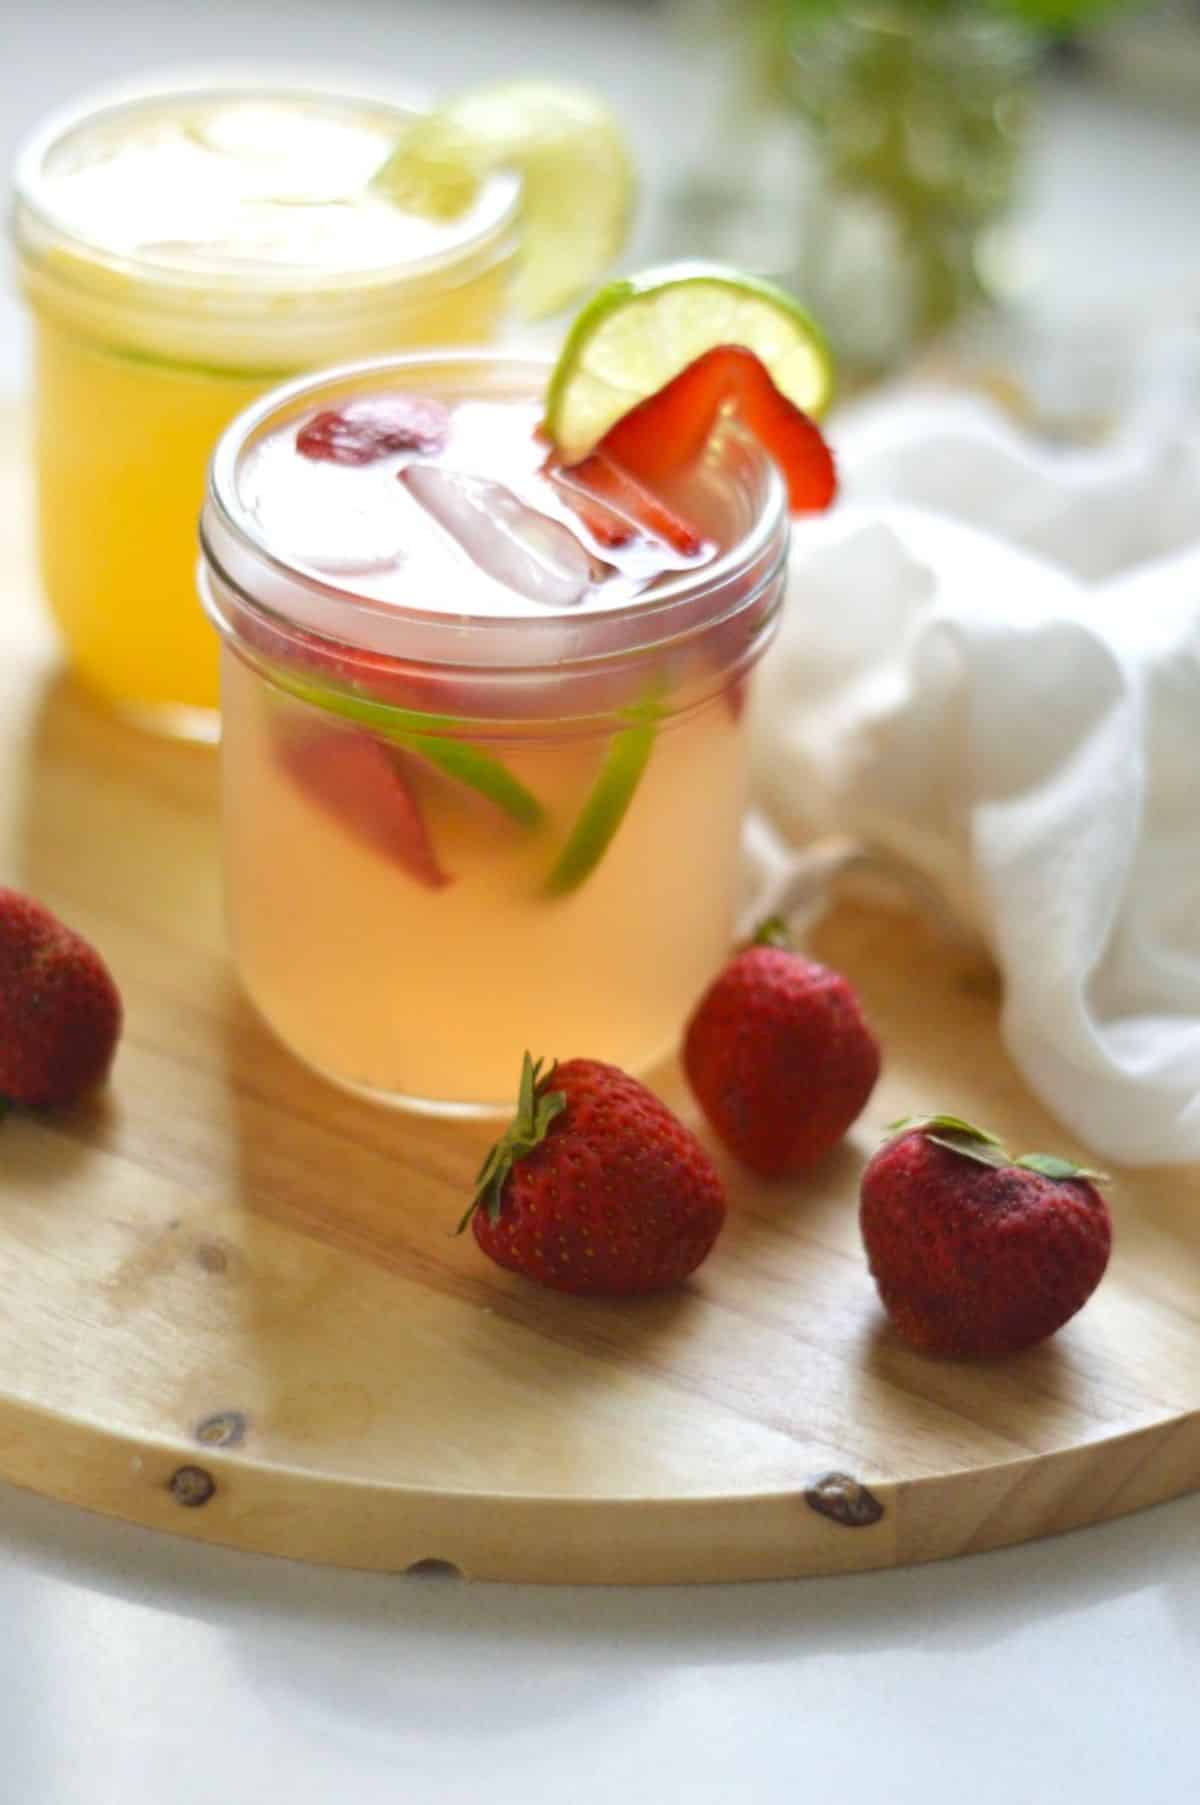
(990, 666)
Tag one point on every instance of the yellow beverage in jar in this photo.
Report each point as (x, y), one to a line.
(181, 253)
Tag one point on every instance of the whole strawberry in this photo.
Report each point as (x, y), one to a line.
(780, 1057)
(60, 1012)
(975, 1253)
(596, 1187)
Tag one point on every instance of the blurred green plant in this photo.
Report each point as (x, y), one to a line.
(777, 27)
(1048, 18)
(904, 123)
(918, 109)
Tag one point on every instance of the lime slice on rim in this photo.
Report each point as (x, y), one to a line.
(577, 183)
(434, 169)
(635, 335)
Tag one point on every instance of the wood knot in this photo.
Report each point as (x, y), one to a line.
(843, 1500)
(191, 1486)
(224, 1429)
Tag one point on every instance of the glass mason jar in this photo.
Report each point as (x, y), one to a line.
(561, 873)
(182, 251)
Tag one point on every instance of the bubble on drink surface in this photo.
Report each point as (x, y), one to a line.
(528, 552)
(287, 151)
(361, 563)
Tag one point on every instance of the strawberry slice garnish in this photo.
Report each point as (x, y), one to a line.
(364, 786)
(364, 431)
(613, 504)
(664, 433)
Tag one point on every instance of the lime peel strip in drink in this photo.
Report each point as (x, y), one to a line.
(420, 734)
(608, 803)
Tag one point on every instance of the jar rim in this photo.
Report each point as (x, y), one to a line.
(674, 610)
(33, 217)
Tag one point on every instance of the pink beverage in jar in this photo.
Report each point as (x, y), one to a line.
(483, 737)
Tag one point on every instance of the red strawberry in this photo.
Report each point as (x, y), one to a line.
(60, 1012)
(596, 1187)
(976, 1253)
(363, 784)
(664, 433)
(364, 431)
(779, 1056)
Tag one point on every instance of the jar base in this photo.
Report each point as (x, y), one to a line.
(402, 1103)
(168, 720)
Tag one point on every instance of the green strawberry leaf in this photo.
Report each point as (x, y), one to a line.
(1051, 1166)
(986, 1149)
(982, 1152)
(957, 1135)
(537, 1107)
(422, 735)
(952, 1124)
(606, 806)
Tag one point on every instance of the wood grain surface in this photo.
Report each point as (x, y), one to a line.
(231, 1304)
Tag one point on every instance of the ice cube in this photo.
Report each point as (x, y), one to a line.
(530, 553)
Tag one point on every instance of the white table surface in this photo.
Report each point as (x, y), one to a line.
(139, 1668)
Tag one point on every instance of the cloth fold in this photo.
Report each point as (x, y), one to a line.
(990, 667)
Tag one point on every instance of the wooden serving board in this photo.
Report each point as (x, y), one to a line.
(231, 1304)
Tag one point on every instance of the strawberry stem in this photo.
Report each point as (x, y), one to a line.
(773, 932)
(1051, 1165)
(959, 1136)
(952, 1124)
(537, 1107)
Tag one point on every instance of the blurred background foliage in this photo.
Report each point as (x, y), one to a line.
(874, 149)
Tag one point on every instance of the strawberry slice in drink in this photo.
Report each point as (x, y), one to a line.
(614, 506)
(606, 526)
(376, 427)
(365, 786)
(663, 434)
